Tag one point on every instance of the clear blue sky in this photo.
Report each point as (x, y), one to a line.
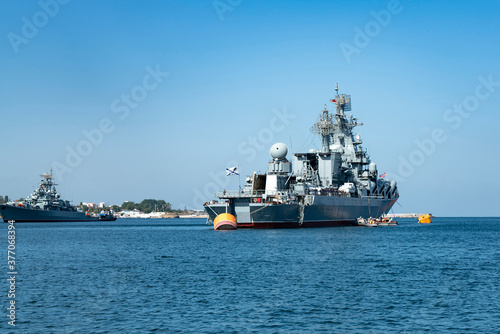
(232, 66)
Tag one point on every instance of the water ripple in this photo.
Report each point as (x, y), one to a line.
(158, 277)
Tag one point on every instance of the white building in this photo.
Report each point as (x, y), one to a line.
(90, 205)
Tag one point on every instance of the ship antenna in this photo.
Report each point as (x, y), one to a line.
(337, 89)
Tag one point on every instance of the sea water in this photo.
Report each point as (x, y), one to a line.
(179, 275)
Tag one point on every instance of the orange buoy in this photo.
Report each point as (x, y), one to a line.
(424, 219)
(225, 221)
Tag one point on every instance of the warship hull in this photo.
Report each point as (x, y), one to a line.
(319, 211)
(19, 215)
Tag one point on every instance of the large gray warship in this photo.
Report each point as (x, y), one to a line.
(329, 187)
(46, 205)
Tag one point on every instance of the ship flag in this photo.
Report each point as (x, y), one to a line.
(383, 175)
(232, 171)
(333, 100)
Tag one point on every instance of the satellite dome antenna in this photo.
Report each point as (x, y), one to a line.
(278, 151)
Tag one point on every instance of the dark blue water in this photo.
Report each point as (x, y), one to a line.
(178, 275)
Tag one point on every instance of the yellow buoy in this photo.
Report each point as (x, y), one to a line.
(225, 221)
(424, 219)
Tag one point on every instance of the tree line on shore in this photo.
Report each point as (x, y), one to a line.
(146, 206)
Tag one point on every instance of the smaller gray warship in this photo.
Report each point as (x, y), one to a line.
(46, 205)
(333, 186)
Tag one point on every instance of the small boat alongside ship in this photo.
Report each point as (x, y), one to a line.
(46, 205)
(374, 222)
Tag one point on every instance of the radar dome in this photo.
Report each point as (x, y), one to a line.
(372, 167)
(278, 151)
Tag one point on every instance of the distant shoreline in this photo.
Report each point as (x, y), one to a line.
(407, 215)
(161, 215)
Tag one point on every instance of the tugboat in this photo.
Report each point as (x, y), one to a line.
(107, 216)
(332, 186)
(44, 205)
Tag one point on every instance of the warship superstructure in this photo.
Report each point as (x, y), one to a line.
(332, 186)
(44, 205)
